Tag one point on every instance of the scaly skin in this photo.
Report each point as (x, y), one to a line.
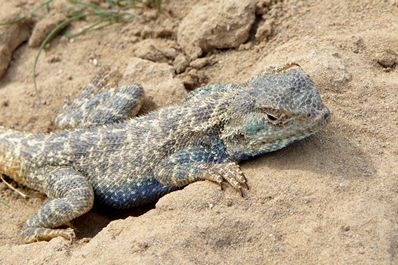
(127, 163)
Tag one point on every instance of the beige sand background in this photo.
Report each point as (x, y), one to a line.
(330, 199)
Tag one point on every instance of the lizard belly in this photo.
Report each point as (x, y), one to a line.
(131, 193)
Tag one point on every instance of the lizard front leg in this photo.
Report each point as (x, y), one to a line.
(70, 196)
(198, 163)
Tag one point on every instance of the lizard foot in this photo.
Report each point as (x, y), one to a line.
(34, 234)
(229, 172)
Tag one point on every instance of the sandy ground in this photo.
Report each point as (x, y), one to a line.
(330, 199)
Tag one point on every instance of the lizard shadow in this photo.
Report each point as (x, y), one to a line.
(329, 152)
(90, 224)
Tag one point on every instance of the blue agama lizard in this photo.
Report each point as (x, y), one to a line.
(101, 155)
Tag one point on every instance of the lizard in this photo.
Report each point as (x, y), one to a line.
(102, 153)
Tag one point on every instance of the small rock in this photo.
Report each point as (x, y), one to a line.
(147, 32)
(5, 103)
(358, 45)
(180, 63)
(264, 31)
(150, 14)
(332, 69)
(133, 39)
(10, 38)
(84, 240)
(165, 30)
(345, 228)
(158, 81)
(229, 203)
(59, 5)
(200, 63)
(193, 79)
(54, 59)
(163, 33)
(245, 46)
(169, 52)
(146, 50)
(155, 50)
(387, 58)
(44, 27)
(216, 25)
(135, 31)
(263, 6)
(190, 82)
(328, 69)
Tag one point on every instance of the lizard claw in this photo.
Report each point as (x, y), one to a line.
(221, 186)
(246, 186)
(231, 173)
(241, 193)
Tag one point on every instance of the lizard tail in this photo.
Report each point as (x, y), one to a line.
(10, 154)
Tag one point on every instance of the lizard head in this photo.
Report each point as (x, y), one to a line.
(275, 110)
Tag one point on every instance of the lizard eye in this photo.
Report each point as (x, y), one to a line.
(274, 117)
(271, 117)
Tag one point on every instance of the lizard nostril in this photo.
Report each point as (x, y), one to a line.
(326, 115)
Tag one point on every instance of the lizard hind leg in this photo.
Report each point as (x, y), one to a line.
(102, 102)
(70, 196)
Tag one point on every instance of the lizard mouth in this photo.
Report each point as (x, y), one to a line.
(321, 119)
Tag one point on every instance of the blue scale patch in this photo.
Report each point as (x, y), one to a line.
(135, 195)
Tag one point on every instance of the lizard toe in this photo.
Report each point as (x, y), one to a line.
(34, 234)
(231, 173)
